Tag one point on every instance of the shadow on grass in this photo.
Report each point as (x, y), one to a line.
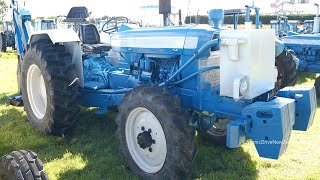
(95, 143)
(219, 162)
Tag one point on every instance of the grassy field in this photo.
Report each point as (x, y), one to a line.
(91, 152)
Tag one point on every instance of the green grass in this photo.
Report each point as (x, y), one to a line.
(92, 152)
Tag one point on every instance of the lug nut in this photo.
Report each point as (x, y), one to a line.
(149, 130)
(142, 128)
(150, 149)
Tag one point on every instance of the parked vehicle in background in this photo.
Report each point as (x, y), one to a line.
(7, 38)
(44, 24)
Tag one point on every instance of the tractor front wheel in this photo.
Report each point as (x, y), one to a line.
(155, 136)
(22, 165)
(50, 98)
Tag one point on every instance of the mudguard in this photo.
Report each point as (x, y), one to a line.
(69, 39)
(55, 35)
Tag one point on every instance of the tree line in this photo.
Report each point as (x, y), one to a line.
(265, 19)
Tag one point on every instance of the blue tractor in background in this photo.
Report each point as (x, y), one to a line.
(7, 38)
(166, 84)
(285, 27)
(306, 47)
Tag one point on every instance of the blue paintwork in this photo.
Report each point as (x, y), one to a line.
(257, 12)
(180, 31)
(216, 16)
(108, 78)
(268, 124)
(307, 49)
(306, 105)
(236, 133)
(261, 119)
(20, 16)
(102, 98)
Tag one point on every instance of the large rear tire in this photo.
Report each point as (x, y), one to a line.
(287, 70)
(155, 136)
(3, 42)
(50, 100)
(22, 165)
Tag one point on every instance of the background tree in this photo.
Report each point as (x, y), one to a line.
(3, 7)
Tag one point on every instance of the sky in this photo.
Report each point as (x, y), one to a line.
(132, 8)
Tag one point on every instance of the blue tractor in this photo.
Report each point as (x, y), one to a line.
(306, 47)
(285, 27)
(7, 38)
(166, 83)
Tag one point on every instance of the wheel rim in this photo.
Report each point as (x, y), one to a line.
(149, 157)
(36, 90)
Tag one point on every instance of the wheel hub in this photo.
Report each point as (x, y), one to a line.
(145, 139)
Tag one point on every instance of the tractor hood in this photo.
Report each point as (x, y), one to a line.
(162, 41)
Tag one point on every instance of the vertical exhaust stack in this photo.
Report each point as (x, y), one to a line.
(216, 17)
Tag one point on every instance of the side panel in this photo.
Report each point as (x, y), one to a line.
(161, 41)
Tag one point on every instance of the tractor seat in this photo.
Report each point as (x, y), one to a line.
(90, 39)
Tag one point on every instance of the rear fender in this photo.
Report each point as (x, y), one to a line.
(69, 39)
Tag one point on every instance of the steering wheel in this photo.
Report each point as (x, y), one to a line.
(109, 30)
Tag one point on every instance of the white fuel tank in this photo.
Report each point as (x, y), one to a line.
(247, 63)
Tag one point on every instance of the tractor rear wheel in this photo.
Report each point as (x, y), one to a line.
(155, 136)
(287, 70)
(22, 165)
(216, 134)
(317, 85)
(50, 98)
(3, 42)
